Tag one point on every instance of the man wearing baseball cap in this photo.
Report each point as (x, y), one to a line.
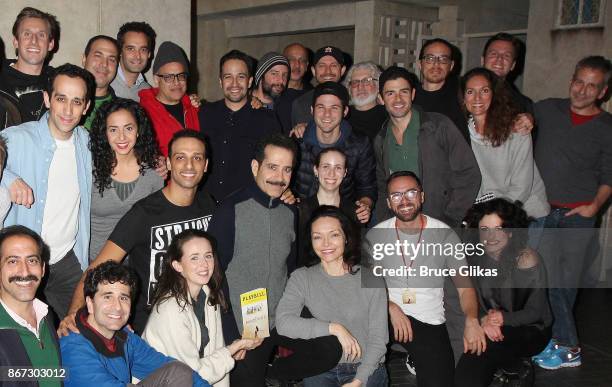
(328, 129)
(328, 66)
(167, 104)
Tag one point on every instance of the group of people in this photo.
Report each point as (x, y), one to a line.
(141, 216)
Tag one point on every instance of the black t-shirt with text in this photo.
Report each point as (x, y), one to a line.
(145, 233)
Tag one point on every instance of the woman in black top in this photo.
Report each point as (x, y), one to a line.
(329, 169)
(514, 309)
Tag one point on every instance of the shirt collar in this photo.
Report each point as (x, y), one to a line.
(121, 75)
(40, 310)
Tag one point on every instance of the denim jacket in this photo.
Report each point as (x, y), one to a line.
(30, 151)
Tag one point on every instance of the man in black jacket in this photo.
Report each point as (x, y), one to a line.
(428, 144)
(329, 107)
(233, 127)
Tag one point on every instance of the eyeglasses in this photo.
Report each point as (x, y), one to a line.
(365, 82)
(442, 59)
(396, 197)
(169, 78)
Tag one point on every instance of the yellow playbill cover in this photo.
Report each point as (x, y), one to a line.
(255, 314)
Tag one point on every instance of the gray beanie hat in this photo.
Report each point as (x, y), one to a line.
(169, 52)
(268, 61)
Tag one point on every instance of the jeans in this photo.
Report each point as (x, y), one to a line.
(564, 248)
(64, 276)
(535, 232)
(345, 373)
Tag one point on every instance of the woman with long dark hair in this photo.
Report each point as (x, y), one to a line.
(329, 169)
(189, 299)
(125, 156)
(331, 289)
(514, 309)
(505, 158)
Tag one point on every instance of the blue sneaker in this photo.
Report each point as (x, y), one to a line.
(560, 358)
(550, 348)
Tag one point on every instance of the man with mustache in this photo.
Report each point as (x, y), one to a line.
(366, 115)
(145, 231)
(271, 90)
(136, 43)
(233, 127)
(271, 78)
(27, 337)
(256, 243)
(48, 175)
(416, 310)
(100, 59)
(23, 81)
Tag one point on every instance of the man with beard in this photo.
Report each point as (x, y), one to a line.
(100, 59)
(256, 243)
(27, 337)
(439, 89)
(366, 116)
(427, 143)
(271, 90)
(167, 105)
(329, 129)
(574, 156)
(136, 42)
(328, 66)
(147, 229)
(297, 55)
(416, 300)
(271, 78)
(233, 127)
(23, 81)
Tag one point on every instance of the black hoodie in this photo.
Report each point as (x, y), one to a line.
(27, 90)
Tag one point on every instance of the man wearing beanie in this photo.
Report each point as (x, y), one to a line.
(328, 66)
(270, 87)
(329, 129)
(167, 104)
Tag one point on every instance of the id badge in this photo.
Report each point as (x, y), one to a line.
(409, 296)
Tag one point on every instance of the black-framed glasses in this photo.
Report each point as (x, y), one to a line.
(169, 78)
(365, 82)
(442, 59)
(411, 194)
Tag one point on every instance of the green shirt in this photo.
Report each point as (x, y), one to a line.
(404, 157)
(43, 353)
(99, 101)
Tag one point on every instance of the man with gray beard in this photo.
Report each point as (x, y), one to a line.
(366, 116)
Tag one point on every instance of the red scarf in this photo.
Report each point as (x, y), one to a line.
(164, 124)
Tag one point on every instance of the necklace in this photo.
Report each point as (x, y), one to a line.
(418, 241)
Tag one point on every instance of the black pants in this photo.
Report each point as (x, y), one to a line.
(433, 356)
(519, 342)
(309, 358)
